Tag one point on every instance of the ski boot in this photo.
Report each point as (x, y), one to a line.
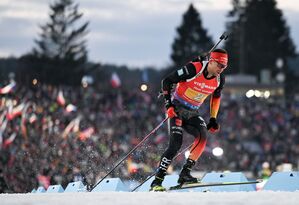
(185, 176)
(156, 185)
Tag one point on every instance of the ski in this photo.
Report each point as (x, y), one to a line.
(206, 184)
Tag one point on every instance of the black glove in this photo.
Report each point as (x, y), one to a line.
(213, 125)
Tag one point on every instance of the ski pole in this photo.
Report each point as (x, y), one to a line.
(128, 154)
(153, 174)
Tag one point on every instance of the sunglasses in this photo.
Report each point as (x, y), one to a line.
(220, 65)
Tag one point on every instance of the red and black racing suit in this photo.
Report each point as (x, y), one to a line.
(192, 87)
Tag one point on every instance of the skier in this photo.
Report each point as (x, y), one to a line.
(193, 84)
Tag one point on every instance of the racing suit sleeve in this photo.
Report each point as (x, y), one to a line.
(215, 98)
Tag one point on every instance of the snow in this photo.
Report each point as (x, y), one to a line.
(153, 198)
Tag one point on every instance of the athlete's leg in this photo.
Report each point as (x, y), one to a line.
(197, 127)
(175, 142)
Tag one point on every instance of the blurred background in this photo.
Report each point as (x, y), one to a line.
(79, 82)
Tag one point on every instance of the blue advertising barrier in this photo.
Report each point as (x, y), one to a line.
(279, 181)
(226, 177)
(110, 184)
(55, 189)
(40, 190)
(75, 187)
(283, 181)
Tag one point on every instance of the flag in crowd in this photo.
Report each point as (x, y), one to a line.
(73, 126)
(8, 88)
(60, 98)
(115, 80)
(15, 112)
(32, 118)
(9, 140)
(2, 129)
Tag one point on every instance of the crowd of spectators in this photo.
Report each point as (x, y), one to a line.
(51, 142)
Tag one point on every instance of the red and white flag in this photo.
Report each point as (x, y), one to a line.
(3, 116)
(72, 126)
(9, 140)
(2, 129)
(15, 112)
(33, 118)
(8, 88)
(115, 80)
(60, 98)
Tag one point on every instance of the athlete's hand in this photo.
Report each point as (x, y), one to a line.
(213, 126)
(170, 112)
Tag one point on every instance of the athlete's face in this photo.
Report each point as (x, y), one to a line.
(215, 68)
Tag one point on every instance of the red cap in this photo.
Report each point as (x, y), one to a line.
(219, 57)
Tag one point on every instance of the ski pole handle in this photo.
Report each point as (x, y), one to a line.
(224, 36)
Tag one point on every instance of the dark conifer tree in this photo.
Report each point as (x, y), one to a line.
(191, 40)
(259, 37)
(60, 55)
